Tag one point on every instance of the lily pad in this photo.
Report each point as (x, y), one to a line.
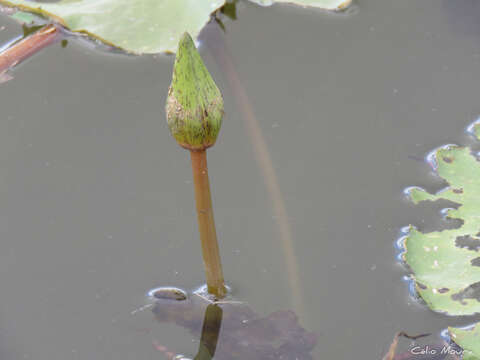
(141, 26)
(136, 26)
(445, 264)
(323, 4)
(469, 340)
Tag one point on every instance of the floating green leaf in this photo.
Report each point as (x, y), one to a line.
(446, 264)
(136, 26)
(323, 4)
(141, 26)
(469, 340)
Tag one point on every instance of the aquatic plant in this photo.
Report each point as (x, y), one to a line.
(133, 26)
(469, 339)
(445, 264)
(194, 115)
(139, 27)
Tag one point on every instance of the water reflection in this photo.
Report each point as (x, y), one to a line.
(215, 42)
(210, 332)
(230, 330)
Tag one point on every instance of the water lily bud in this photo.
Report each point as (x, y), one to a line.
(194, 104)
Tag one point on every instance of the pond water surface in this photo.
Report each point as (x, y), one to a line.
(96, 199)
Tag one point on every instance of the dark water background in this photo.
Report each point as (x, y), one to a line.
(96, 200)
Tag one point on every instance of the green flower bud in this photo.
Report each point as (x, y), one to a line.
(194, 104)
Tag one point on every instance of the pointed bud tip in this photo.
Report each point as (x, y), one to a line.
(185, 38)
(186, 43)
(194, 104)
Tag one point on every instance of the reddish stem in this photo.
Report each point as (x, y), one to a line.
(206, 225)
(27, 47)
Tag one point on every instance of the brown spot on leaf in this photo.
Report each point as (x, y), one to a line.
(421, 286)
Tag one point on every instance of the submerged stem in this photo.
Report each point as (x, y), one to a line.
(206, 225)
(27, 47)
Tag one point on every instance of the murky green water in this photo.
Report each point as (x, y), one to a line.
(96, 200)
